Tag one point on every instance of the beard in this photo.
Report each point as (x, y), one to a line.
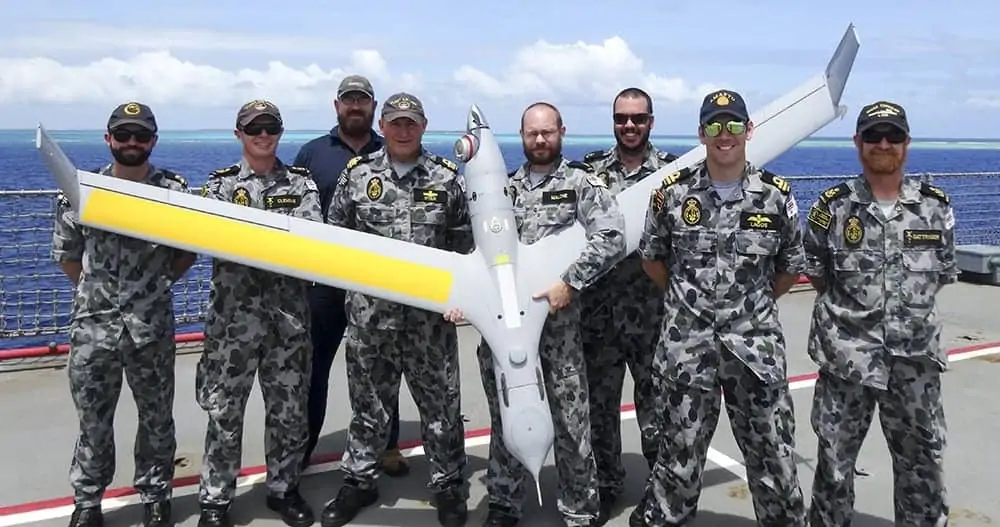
(628, 150)
(355, 123)
(883, 162)
(130, 156)
(543, 155)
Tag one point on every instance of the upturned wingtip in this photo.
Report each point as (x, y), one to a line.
(476, 119)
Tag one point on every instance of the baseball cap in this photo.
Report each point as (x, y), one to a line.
(254, 109)
(883, 112)
(403, 105)
(356, 83)
(723, 102)
(133, 113)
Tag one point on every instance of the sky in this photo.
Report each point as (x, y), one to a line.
(67, 63)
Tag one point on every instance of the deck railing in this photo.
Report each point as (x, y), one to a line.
(36, 298)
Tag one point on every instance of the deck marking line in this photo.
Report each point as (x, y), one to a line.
(117, 498)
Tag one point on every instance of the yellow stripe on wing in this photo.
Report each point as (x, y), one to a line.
(265, 245)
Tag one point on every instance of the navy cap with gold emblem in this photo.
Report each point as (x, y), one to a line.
(254, 109)
(722, 102)
(400, 105)
(882, 112)
(133, 113)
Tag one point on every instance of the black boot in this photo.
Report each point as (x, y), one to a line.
(156, 514)
(294, 510)
(451, 507)
(87, 517)
(348, 503)
(214, 516)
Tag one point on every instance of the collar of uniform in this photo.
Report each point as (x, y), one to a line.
(380, 158)
(751, 179)
(246, 171)
(152, 173)
(374, 143)
(648, 160)
(861, 191)
(558, 169)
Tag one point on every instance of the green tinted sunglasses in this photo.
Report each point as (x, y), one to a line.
(734, 127)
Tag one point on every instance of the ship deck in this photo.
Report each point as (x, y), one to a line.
(38, 424)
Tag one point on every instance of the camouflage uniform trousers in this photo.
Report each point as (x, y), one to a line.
(564, 371)
(377, 360)
(281, 357)
(610, 343)
(913, 422)
(762, 418)
(96, 361)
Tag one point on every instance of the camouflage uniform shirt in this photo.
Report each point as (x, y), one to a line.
(881, 274)
(722, 258)
(627, 282)
(285, 190)
(125, 281)
(425, 206)
(573, 192)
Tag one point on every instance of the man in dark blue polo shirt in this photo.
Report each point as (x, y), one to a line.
(326, 157)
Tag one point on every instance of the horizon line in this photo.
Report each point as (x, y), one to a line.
(456, 132)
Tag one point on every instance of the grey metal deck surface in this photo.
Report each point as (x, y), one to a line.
(38, 429)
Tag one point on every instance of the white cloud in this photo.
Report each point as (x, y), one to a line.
(78, 37)
(162, 72)
(579, 72)
(159, 77)
(984, 98)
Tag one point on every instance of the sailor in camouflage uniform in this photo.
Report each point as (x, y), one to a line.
(621, 313)
(404, 192)
(551, 193)
(257, 324)
(122, 321)
(723, 239)
(879, 249)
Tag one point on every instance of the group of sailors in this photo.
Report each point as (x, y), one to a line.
(692, 314)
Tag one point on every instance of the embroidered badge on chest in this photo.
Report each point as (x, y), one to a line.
(691, 212)
(854, 231)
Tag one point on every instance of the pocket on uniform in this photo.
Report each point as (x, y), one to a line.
(377, 219)
(860, 276)
(922, 268)
(429, 224)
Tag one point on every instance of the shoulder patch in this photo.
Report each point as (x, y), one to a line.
(580, 165)
(596, 155)
(819, 214)
(596, 180)
(834, 193)
(355, 161)
(934, 192)
(228, 171)
(680, 175)
(445, 162)
(302, 171)
(173, 176)
(666, 156)
(775, 181)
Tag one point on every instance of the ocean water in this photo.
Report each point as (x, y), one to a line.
(35, 297)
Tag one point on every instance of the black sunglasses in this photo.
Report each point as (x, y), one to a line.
(256, 129)
(893, 135)
(638, 119)
(141, 136)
